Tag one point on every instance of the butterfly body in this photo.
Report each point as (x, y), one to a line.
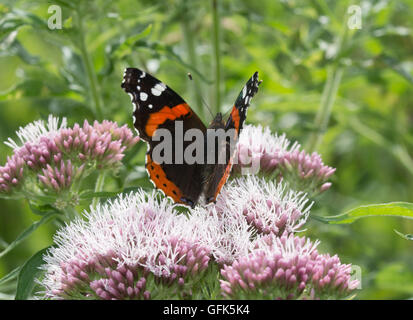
(156, 106)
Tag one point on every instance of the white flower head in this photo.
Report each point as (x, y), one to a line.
(288, 245)
(227, 234)
(120, 241)
(35, 130)
(261, 140)
(267, 206)
(258, 142)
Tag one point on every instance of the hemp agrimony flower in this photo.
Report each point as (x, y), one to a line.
(135, 247)
(260, 151)
(52, 159)
(287, 267)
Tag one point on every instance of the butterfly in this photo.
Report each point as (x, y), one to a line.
(156, 106)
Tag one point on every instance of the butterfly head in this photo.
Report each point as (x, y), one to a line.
(217, 122)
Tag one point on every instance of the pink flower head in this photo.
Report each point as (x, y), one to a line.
(11, 174)
(286, 267)
(53, 156)
(307, 171)
(260, 151)
(102, 144)
(124, 250)
(60, 176)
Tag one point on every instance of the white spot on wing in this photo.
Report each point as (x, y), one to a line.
(150, 106)
(244, 92)
(156, 92)
(143, 96)
(158, 89)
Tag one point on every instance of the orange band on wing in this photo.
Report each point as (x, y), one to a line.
(158, 176)
(236, 118)
(166, 113)
(223, 179)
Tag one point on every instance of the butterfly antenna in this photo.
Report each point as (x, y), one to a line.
(202, 98)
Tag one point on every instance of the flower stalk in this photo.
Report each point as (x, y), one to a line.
(100, 182)
(324, 112)
(216, 54)
(190, 47)
(87, 61)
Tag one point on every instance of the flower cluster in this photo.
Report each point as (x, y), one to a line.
(287, 267)
(260, 151)
(227, 234)
(127, 249)
(248, 206)
(51, 157)
(267, 206)
(139, 247)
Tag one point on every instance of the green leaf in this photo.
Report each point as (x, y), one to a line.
(64, 3)
(397, 66)
(126, 47)
(10, 276)
(15, 19)
(12, 47)
(404, 236)
(393, 209)
(90, 194)
(27, 275)
(26, 233)
(40, 209)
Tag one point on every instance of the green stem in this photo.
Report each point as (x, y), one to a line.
(190, 47)
(70, 214)
(3, 244)
(217, 63)
(87, 61)
(99, 187)
(403, 156)
(335, 73)
(324, 112)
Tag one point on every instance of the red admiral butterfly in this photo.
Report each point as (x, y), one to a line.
(156, 106)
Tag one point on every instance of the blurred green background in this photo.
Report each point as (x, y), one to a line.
(346, 93)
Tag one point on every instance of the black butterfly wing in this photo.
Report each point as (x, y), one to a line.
(156, 106)
(233, 126)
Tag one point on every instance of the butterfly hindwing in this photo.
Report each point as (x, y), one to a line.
(233, 126)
